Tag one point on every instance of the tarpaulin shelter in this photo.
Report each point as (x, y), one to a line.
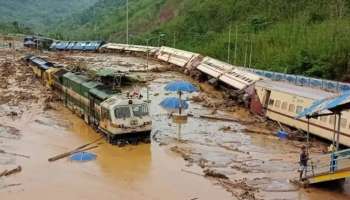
(333, 105)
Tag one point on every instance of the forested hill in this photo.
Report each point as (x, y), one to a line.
(302, 37)
(39, 13)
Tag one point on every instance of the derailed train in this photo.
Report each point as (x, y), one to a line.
(121, 118)
(279, 97)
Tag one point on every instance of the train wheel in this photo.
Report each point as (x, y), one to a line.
(134, 141)
(121, 143)
(146, 140)
(109, 138)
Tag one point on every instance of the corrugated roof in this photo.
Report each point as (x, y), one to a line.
(328, 105)
(306, 92)
(101, 93)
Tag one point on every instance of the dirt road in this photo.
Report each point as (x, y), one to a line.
(209, 160)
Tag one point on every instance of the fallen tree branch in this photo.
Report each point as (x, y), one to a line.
(10, 185)
(215, 118)
(12, 171)
(190, 172)
(76, 150)
(88, 144)
(14, 154)
(64, 155)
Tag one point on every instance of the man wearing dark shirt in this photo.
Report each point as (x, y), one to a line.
(304, 157)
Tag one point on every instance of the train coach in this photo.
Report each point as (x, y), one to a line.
(282, 102)
(121, 118)
(83, 46)
(229, 76)
(37, 42)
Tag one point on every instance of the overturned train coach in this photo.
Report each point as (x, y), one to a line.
(85, 46)
(120, 118)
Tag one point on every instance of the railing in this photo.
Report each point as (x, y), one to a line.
(328, 163)
(303, 80)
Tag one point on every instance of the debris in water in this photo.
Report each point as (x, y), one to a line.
(225, 128)
(212, 173)
(14, 154)
(9, 132)
(10, 185)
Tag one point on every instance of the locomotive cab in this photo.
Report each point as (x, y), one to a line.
(125, 117)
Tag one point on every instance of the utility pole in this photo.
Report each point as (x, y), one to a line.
(229, 45)
(127, 21)
(245, 55)
(235, 58)
(174, 41)
(147, 41)
(95, 22)
(251, 52)
(159, 40)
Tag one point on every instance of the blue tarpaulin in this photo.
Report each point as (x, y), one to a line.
(182, 86)
(83, 156)
(173, 103)
(327, 105)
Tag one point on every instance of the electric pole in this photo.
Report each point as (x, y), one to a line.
(229, 45)
(235, 58)
(127, 21)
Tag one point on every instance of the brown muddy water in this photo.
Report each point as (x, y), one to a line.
(257, 166)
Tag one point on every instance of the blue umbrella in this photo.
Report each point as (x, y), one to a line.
(174, 103)
(180, 86)
(83, 156)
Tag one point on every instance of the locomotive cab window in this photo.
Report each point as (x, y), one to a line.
(271, 102)
(140, 110)
(122, 112)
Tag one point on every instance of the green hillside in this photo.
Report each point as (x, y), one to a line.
(302, 37)
(40, 13)
(14, 28)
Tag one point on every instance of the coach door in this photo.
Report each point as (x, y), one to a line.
(266, 98)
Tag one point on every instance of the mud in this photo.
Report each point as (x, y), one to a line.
(210, 159)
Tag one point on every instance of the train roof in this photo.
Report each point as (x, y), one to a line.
(307, 92)
(102, 92)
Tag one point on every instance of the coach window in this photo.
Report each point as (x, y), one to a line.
(331, 120)
(299, 109)
(271, 102)
(291, 108)
(278, 104)
(323, 119)
(284, 106)
(343, 123)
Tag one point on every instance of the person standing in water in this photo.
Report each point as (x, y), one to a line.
(304, 157)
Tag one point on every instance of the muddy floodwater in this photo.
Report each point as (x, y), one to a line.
(247, 165)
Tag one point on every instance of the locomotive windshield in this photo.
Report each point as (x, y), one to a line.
(122, 112)
(140, 110)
